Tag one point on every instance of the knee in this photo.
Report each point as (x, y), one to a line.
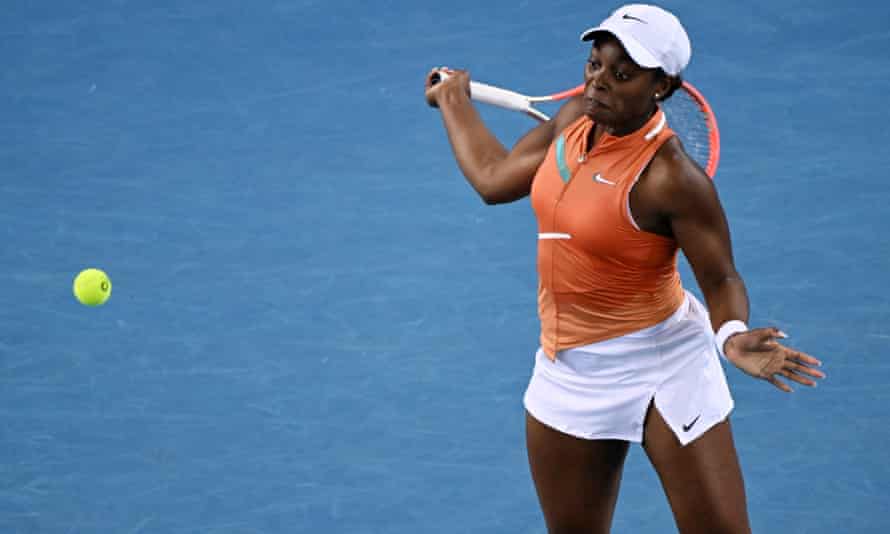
(718, 518)
(588, 527)
(721, 522)
(727, 528)
(575, 530)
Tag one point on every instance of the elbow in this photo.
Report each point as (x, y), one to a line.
(718, 283)
(495, 197)
(490, 200)
(492, 192)
(494, 187)
(489, 195)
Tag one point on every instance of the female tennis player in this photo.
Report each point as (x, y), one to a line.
(627, 355)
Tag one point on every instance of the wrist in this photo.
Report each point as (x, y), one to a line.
(726, 331)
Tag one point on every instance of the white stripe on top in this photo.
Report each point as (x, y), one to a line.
(553, 235)
(658, 128)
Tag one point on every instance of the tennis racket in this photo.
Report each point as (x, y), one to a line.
(687, 111)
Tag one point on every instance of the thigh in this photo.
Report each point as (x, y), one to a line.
(703, 480)
(577, 480)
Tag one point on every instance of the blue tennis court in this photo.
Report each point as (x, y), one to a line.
(317, 326)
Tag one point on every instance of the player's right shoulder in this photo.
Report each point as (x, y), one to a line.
(539, 139)
(570, 112)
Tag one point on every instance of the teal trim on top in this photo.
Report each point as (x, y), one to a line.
(561, 159)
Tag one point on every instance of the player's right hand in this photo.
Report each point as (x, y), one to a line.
(457, 85)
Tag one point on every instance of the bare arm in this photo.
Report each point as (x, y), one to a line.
(499, 175)
(697, 221)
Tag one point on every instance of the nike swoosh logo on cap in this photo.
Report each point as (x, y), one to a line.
(631, 17)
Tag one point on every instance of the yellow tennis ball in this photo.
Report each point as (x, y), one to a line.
(92, 287)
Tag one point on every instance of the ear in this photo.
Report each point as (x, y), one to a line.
(662, 86)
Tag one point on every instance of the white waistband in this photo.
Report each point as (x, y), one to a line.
(656, 329)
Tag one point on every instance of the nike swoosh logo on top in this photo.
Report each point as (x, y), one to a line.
(687, 428)
(599, 178)
(631, 17)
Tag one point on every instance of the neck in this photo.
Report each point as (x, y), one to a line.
(630, 126)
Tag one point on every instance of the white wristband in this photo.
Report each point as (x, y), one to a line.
(727, 329)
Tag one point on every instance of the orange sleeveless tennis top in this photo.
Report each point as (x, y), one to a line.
(600, 276)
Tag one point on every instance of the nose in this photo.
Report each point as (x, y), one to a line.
(594, 81)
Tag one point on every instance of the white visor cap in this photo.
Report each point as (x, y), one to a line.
(653, 37)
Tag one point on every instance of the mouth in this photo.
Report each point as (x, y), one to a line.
(595, 105)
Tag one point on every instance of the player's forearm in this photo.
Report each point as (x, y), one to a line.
(727, 300)
(476, 149)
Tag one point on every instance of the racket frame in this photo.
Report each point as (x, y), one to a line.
(505, 98)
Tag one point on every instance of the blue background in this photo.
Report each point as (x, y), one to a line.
(316, 326)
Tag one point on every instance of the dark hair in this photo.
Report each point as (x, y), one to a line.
(676, 83)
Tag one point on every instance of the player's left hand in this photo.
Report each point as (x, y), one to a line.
(758, 353)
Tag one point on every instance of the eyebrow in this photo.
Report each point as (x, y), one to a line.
(622, 61)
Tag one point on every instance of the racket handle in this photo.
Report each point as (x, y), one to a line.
(497, 96)
(489, 94)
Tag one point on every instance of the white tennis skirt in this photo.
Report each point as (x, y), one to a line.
(603, 390)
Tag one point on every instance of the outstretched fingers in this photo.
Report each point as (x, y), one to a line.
(803, 369)
(800, 379)
(798, 364)
(797, 367)
(779, 384)
(760, 353)
(804, 358)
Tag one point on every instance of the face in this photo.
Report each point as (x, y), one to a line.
(619, 93)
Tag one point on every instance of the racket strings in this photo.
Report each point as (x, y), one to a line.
(686, 117)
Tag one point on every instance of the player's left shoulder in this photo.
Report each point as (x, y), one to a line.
(672, 172)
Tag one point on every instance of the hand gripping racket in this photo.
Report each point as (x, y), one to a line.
(688, 114)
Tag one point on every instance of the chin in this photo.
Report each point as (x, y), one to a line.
(598, 116)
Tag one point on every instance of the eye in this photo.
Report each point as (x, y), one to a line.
(593, 64)
(621, 76)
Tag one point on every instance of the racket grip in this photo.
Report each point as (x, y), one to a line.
(489, 94)
(496, 96)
